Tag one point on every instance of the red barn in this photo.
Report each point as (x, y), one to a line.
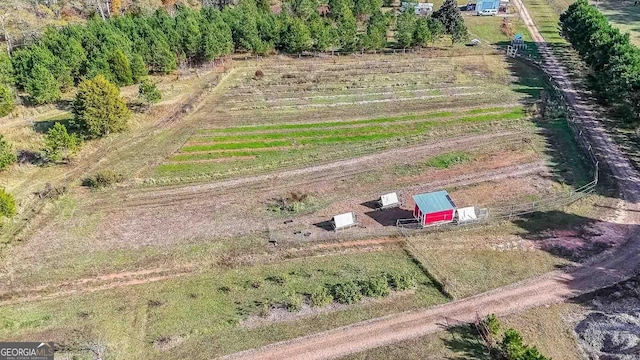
(434, 208)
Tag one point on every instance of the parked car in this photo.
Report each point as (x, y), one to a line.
(488, 12)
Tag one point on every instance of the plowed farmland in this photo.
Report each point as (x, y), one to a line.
(310, 112)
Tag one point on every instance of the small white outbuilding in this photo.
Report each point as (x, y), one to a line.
(466, 214)
(389, 200)
(344, 221)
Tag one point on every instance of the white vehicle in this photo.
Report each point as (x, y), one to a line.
(488, 12)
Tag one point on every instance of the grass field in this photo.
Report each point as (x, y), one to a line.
(139, 321)
(625, 15)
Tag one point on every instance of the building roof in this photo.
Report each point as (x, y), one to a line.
(434, 202)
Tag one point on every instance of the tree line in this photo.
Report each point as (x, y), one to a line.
(123, 49)
(612, 58)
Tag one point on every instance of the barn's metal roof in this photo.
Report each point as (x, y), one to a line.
(434, 202)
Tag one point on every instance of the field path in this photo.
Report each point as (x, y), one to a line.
(603, 270)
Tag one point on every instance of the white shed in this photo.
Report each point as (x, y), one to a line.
(466, 214)
(389, 200)
(344, 221)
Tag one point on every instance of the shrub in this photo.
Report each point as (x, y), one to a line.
(493, 324)
(293, 302)
(375, 286)
(99, 109)
(149, 92)
(7, 155)
(7, 101)
(277, 279)
(321, 297)
(7, 204)
(346, 292)
(59, 144)
(294, 203)
(402, 281)
(264, 309)
(513, 348)
(102, 179)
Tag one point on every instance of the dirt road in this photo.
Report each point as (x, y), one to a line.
(557, 286)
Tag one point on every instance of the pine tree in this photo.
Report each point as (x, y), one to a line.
(138, 68)
(347, 30)
(149, 92)
(121, 68)
(436, 29)
(7, 154)
(422, 34)
(163, 60)
(59, 144)
(295, 36)
(321, 34)
(7, 204)
(449, 15)
(99, 109)
(376, 37)
(405, 28)
(6, 69)
(7, 101)
(460, 33)
(187, 26)
(41, 86)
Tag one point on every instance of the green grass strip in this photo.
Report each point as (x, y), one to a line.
(448, 160)
(338, 136)
(296, 135)
(220, 155)
(326, 124)
(236, 146)
(368, 129)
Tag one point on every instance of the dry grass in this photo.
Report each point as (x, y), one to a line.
(546, 328)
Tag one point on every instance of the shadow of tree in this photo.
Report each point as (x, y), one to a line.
(465, 342)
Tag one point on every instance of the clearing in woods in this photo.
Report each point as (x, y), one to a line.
(309, 139)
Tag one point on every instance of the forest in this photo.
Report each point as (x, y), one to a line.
(123, 49)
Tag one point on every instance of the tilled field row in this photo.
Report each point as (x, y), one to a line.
(361, 102)
(255, 97)
(351, 113)
(331, 63)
